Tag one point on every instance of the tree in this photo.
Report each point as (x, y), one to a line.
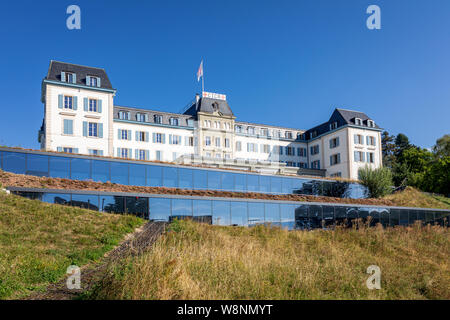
(442, 147)
(378, 181)
(388, 148)
(401, 143)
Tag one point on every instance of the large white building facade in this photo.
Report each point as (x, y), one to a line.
(80, 117)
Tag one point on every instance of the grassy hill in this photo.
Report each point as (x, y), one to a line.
(38, 241)
(411, 197)
(199, 261)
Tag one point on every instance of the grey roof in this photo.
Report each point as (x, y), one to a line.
(206, 105)
(151, 113)
(56, 67)
(350, 115)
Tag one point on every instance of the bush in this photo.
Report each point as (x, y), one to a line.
(378, 181)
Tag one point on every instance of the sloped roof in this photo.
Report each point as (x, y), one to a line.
(206, 105)
(56, 67)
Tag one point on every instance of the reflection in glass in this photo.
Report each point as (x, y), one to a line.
(394, 217)
(119, 173)
(37, 165)
(404, 221)
(186, 177)
(227, 181)
(160, 209)
(137, 175)
(239, 215)
(200, 179)
(80, 169)
(85, 201)
(213, 180)
(240, 183)
(221, 213)
(252, 183)
(301, 217)
(100, 171)
(340, 215)
(170, 177)
(287, 212)
(203, 211)
(412, 216)
(429, 217)
(181, 208)
(286, 185)
(112, 204)
(137, 206)
(352, 214)
(60, 167)
(275, 184)
(264, 184)
(327, 216)
(374, 214)
(273, 216)
(384, 217)
(56, 198)
(255, 213)
(315, 216)
(14, 162)
(154, 176)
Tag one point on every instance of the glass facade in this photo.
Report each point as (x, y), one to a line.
(239, 212)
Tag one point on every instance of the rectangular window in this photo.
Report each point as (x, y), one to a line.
(265, 148)
(370, 141)
(336, 175)
(93, 129)
(95, 152)
(313, 134)
(251, 130)
(159, 138)
(238, 146)
(190, 122)
(68, 150)
(333, 125)
(358, 121)
(315, 149)
(252, 147)
(93, 81)
(301, 152)
(68, 126)
(217, 142)
(93, 105)
(315, 164)
(238, 129)
(141, 117)
(290, 151)
(370, 157)
(124, 153)
(158, 155)
(124, 115)
(334, 143)
(359, 139)
(174, 139)
(335, 159)
(174, 121)
(190, 141)
(124, 134)
(70, 77)
(157, 118)
(359, 156)
(68, 102)
(207, 141)
(264, 132)
(227, 143)
(141, 136)
(288, 135)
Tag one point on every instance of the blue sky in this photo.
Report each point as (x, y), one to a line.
(286, 63)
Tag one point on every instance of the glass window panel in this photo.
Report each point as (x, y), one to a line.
(227, 181)
(384, 217)
(275, 185)
(273, 215)
(352, 213)
(181, 208)
(286, 185)
(297, 186)
(255, 213)
(404, 217)
(203, 211)
(328, 215)
(264, 183)
(29, 195)
(112, 204)
(363, 213)
(239, 215)
(221, 213)
(80, 169)
(412, 216)
(119, 173)
(60, 167)
(56, 198)
(252, 183)
(374, 213)
(85, 201)
(14, 162)
(240, 183)
(37, 165)
(160, 209)
(287, 212)
(185, 178)
(340, 215)
(154, 176)
(307, 187)
(170, 177)
(429, 217)
(394, 217)
(315, 216)
(200, 179)
(137, 174)
(301, 217)
(441, 218)
(100, 171)
(137, 206)
(213, 180)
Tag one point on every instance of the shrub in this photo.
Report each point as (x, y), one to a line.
(378, 181)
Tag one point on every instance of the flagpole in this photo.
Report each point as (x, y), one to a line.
(203, 77)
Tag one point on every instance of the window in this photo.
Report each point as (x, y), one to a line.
(92, 105)
(264, 132)
(238, 146)
(207, 141)
(124, 153)
(301, 152)
(190, 122)
(158, 155)
(95, 152)
(141, 136)
(252, 147)
(174, 121)
(251, 130)
(227, 143)
(303, 165)
(207, 123)
(334, 143)
(227, 156)
(335, 159)
(217, 142)
(124, 115)
(124, 134)
(290, 151)
(315, 164)
(299, 136)
(265, 148)
(68, 126)
(141, 117)
(218, 155)
(159, 138)
(370, 141)
(238, 129)
(208, 155)
(313, 134)
(93, 81)
(278, 134)
(359, 139)
(370, 157)
(190, 141)
(288, 135)
(358, 121)
(359, 156)
(333, 125)
(336, 175)
(371, 123)
(93, 129)
(68, 150)
(68, 102)
(70, 77)
(174, 156)
(174, 139)
(157, 118)
(216, 125)
(315, 149)
(228, 126)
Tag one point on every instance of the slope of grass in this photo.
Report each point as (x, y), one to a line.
(199, 261)
(38, 241)
(411, 197)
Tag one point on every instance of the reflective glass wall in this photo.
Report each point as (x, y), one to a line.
(154, 175)
(240, 212)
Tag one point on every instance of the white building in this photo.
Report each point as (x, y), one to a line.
(80, 117)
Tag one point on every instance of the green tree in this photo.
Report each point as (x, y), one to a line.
(388, 148)
(378, 181)
(442, 147)
(401, 144)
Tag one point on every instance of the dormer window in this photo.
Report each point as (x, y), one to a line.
(299, 136)
(141, 117)
(264, 132)
(69, 77)
(358, 121)
(157, 118)
(333, 126)
(93, 81)
(288, 135)
(313, 134)
(251, 130)
(173, 121)
(124, 115)
(371, 123)
(238, 129)
(215, 106)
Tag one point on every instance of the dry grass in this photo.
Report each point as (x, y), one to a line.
(411, 197)
(198, 261)
(38, 241)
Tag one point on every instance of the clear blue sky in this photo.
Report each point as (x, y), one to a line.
(287, 63)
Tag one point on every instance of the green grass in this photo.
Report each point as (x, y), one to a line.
(38, 241)
(411, 197)
(199, 261)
